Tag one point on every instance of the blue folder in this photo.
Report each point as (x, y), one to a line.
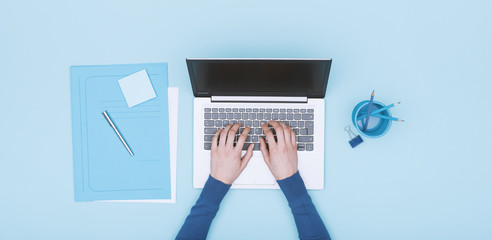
(103, 168)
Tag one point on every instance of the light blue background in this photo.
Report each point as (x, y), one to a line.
(429, 178)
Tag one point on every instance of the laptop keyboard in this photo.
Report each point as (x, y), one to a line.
(301, 121)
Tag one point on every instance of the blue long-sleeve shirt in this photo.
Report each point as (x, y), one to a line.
(308, 222)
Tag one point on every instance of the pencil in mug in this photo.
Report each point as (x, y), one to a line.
(363, 115)
(388, 117)
(369, 108)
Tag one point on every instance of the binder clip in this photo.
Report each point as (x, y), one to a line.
(355, 140)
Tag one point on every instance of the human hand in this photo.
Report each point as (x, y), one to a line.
(226, 163)
(281, 155)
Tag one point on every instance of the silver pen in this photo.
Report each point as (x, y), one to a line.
(117, 132)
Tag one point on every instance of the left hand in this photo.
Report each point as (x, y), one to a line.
(226, 163)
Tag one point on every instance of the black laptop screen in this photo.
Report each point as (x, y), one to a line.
(259, 77)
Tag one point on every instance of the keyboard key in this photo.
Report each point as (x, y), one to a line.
(290, 116)
(263, 122)
(218, 123)
(267, 116)
(258, 131)
(301, 147)
(207, 138)
(303, 110)
(256, 123)
(208, 115)
(259, 116)
(210, 130)
(307, 116)
(289, 110)
(282, 116)
(230, 115)
(246, 145)
(209, 123)
(242, 110)
(296, 130)
(310, 111)
(256, 147)
(275, 116)
(300, 124)
(245, 116)
(241, 122)
(237, 115)
(248, 123)
(223, 115)
(215, 110)
(310, 127)
(302, 131)
(309, 147)
(215, 115)
(249, 110)
(262, 110)
(207, 146)
(225, 123)
(305, 138)
(254, 138)
(282, 110)
(297, 116)
(228, 110)
(269, 110)
(221, 110)
(296, 110)
(252, 116)
(255, 110)
(208, 109)
(275, 110)
(235, 110)
(293, 124)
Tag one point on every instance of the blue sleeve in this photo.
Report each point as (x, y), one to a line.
(309, 223)
(197, 224)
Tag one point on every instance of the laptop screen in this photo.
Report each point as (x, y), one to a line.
(259, 77)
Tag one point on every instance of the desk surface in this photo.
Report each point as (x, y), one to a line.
(428, 178)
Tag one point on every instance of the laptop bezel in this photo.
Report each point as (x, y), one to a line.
(196, 93)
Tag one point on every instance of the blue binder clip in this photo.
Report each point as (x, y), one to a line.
(355, 140)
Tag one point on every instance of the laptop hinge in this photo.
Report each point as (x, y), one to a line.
(259, 99)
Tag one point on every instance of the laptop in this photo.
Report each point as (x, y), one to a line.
(252, 92)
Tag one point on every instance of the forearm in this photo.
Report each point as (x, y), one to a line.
(308, 222)
(198, 222)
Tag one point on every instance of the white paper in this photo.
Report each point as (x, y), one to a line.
(173, 148)
(137, 88)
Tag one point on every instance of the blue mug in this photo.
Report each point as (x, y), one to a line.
(377, 127)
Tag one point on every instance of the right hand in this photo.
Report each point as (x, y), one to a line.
(281, 155)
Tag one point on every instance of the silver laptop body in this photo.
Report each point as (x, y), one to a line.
(254, 91)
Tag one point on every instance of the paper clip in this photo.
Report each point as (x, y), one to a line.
(355, 140)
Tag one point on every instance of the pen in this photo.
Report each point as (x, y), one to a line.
(105, 114)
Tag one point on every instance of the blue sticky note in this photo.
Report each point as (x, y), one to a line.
(103, 168)
(137, 88)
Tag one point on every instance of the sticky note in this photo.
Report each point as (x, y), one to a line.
(137, 88)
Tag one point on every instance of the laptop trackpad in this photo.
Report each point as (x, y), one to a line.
(256, 172)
